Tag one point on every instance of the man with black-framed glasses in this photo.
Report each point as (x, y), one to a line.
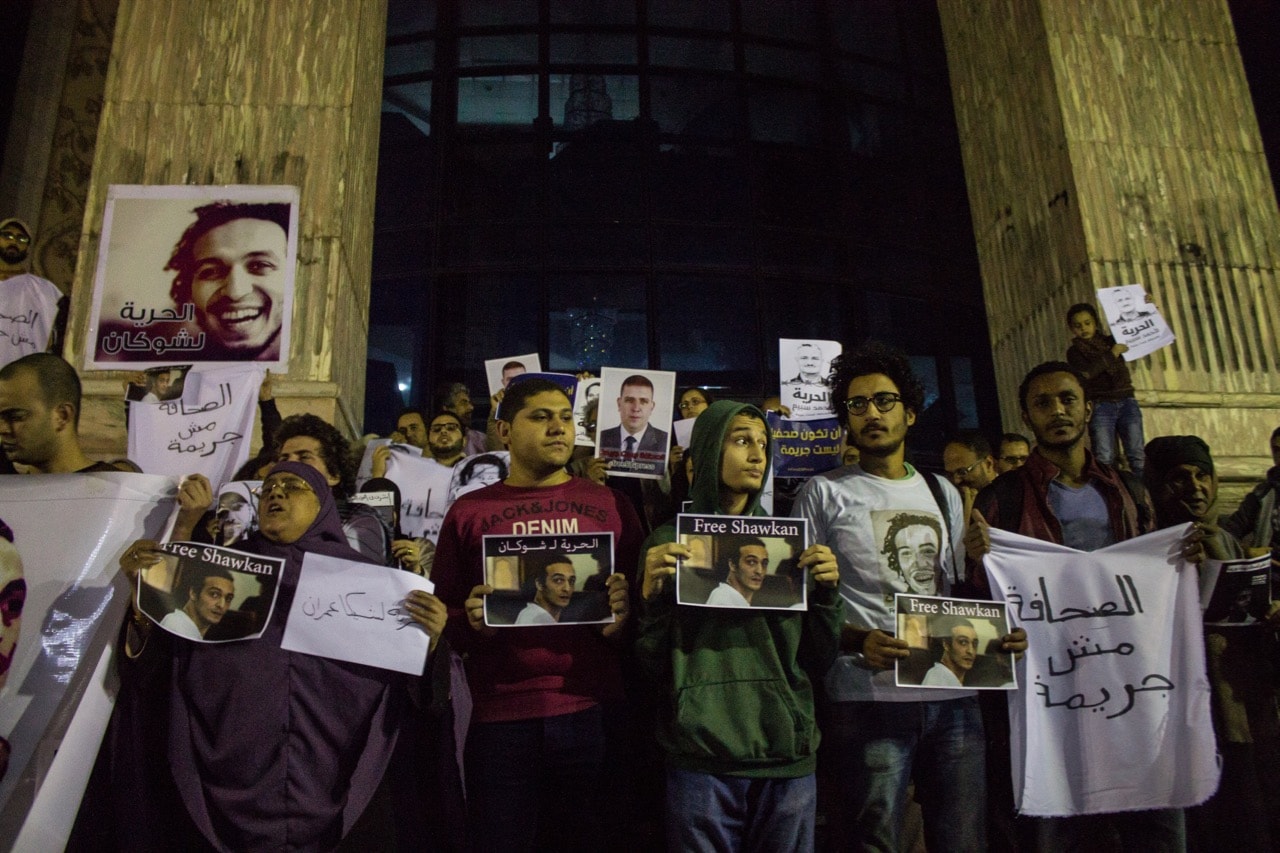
(881, 736)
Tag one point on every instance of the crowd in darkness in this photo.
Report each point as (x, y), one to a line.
(665, 726)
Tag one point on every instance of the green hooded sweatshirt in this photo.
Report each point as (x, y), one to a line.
(737, 685)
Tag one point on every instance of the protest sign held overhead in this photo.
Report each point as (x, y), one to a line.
(194, 275)
(206, 432)
(804, 366)
(1134, 321)
(500, 371)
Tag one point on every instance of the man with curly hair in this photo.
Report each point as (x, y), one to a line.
(884, 520)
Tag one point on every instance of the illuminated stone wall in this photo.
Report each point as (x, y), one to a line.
(1111, 143)
(246, 92)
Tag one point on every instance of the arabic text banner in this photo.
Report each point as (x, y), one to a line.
(1114, 714)
(69, 530)
(805, 448)
(206, 432)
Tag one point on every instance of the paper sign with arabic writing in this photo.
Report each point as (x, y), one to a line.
(355, 612)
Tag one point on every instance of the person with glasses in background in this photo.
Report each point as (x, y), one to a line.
(881, 736)
(693, 402)
(1014, 450)
(969, 463)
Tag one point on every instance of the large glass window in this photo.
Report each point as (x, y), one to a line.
(510, 100)
(673, 185)
(597, 320)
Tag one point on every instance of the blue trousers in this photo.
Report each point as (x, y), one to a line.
(1121, 419)
(728, 814)
(878, 748)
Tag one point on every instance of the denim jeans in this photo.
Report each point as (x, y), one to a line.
(1121, 419)
(537, 784)
(727, 813)
(877, 748)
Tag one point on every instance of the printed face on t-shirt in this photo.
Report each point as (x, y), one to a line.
(916, 548)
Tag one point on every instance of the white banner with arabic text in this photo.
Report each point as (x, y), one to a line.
(68, 533)
(1114, 712)
(206, 432)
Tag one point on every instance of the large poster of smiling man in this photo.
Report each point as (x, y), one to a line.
(909, 548)
(194, 275)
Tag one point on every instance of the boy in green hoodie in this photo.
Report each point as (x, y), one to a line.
(736, 722)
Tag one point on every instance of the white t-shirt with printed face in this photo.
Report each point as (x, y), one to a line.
(888, 537)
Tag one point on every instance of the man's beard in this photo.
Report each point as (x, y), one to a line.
(445, 452)
(1062, 444)
(13, 255)
(881, 451)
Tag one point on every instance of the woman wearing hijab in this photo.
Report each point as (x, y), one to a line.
(268, 749)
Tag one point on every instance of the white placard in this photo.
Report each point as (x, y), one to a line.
(424, 491)
(206, 432)
(1134, 321)
(350, 611)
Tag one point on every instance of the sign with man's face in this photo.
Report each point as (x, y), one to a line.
(548, 580)
(634, 421)
(194, 274)
(804, 365)
(210, 594)
(742, 562)
(953, 642)
(500, 371)
(1134, 320)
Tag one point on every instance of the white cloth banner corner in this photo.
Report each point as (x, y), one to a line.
(1114, 713)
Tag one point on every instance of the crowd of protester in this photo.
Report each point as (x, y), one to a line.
(666, 727)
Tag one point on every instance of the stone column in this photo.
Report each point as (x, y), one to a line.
(248, 92)
(1114, 142)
